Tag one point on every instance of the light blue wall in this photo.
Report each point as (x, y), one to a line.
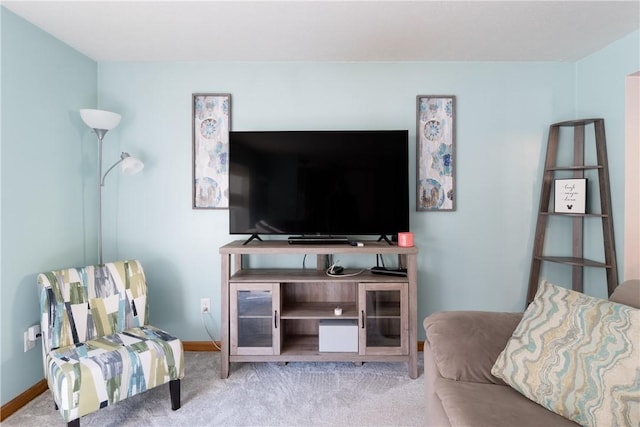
(600, 82)
(48, 190)
(475, 258)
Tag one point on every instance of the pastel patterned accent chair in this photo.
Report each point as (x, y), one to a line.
(98, 346)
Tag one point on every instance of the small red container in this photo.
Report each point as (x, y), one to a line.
(405, 239)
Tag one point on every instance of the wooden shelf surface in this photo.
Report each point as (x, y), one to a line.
(576, 215)
(291, 275)
(578, 122)
(384, 311)
(318, 310)
(579, 262)
(283, 247)
(308, 345)
(574, 167)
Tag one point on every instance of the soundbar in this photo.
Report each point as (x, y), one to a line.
(389, 271)
(318, 240)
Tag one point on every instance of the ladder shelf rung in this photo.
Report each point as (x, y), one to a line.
(574, 215)
(574, 168)
(580, 262)
(580, 122)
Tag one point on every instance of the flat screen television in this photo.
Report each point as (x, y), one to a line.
(319, 183)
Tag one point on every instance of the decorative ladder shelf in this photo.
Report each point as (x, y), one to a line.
(576, 260)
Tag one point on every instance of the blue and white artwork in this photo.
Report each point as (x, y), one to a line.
(211, 125)
(435, 141)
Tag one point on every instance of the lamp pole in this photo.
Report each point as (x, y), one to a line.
(100, 133)
(101, 122)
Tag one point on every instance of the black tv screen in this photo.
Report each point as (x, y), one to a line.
(324, 183)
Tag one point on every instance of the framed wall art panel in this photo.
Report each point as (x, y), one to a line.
(211, 126)
(435, 153)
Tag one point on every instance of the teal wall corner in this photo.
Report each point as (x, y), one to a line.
(48, 190)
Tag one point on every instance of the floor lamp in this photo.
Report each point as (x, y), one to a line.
(102, 121)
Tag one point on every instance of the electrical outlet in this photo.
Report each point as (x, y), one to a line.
(33, 332)
(30, 336)
(205, 305)
(28, 344)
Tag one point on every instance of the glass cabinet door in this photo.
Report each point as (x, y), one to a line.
(384, 325)
(254, 318)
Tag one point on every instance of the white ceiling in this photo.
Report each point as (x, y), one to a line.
(324, 30)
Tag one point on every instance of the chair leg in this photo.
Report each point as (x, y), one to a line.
(174, 389)
(74, 423)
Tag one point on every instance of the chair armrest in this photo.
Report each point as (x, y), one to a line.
(466, 344)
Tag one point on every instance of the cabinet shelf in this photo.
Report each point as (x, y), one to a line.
(301, 345)
(256, 339)
(318, 310)
(299, 275)
(386, 310)
(307, 345)
(391, 316)
(384, 341)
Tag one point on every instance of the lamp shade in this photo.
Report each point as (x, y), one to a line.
(131, 165)
(100, 119)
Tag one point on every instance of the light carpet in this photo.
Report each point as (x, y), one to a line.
(262, 394)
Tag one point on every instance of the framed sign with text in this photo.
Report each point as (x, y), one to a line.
(570, 195)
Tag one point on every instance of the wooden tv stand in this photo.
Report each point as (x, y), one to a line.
(274, 315)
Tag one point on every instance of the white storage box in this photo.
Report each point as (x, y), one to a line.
(340, 335)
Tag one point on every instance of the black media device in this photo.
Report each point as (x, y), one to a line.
(389, 271)
(316, 186)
